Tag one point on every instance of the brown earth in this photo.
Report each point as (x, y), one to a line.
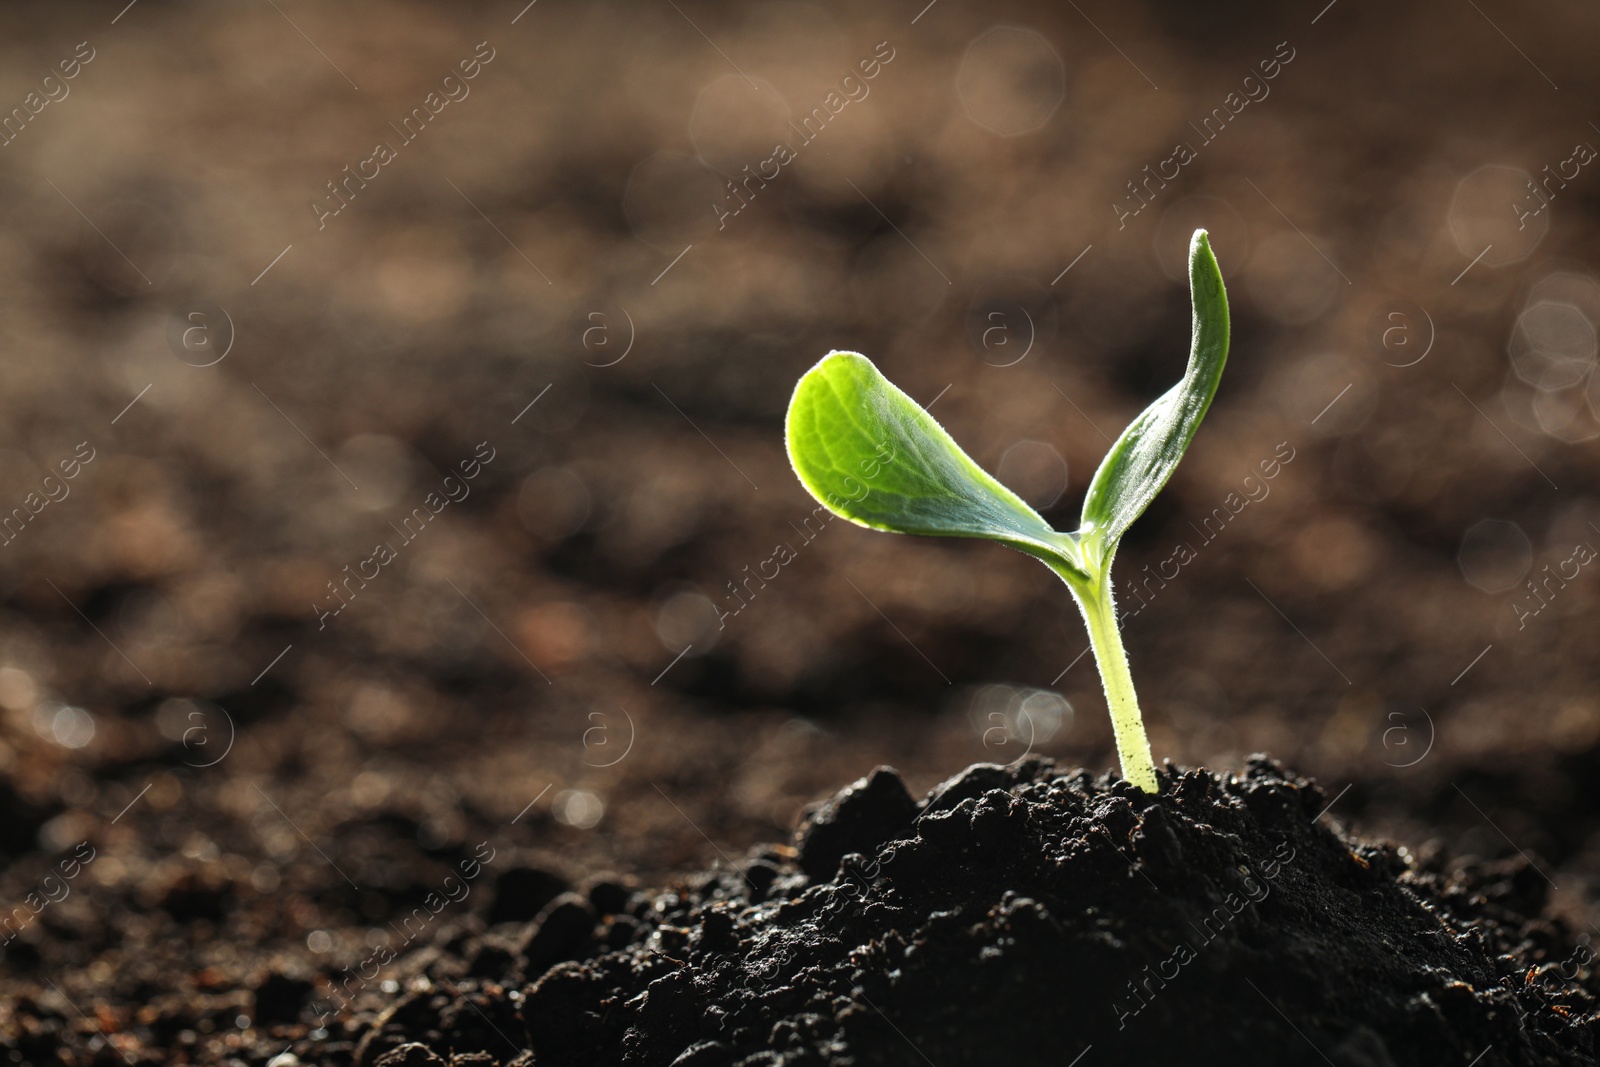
(267, 791)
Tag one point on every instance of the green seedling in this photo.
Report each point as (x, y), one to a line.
(872, 455)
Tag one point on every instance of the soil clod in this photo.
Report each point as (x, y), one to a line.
(1020, 915)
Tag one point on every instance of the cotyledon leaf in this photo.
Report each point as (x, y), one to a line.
(872, 455)
(1144, 457)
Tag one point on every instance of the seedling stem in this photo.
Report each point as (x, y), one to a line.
(1100, 618)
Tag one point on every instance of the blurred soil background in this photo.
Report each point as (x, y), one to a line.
(573, 661)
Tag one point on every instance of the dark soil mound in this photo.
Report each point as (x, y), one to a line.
(1022, 916)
